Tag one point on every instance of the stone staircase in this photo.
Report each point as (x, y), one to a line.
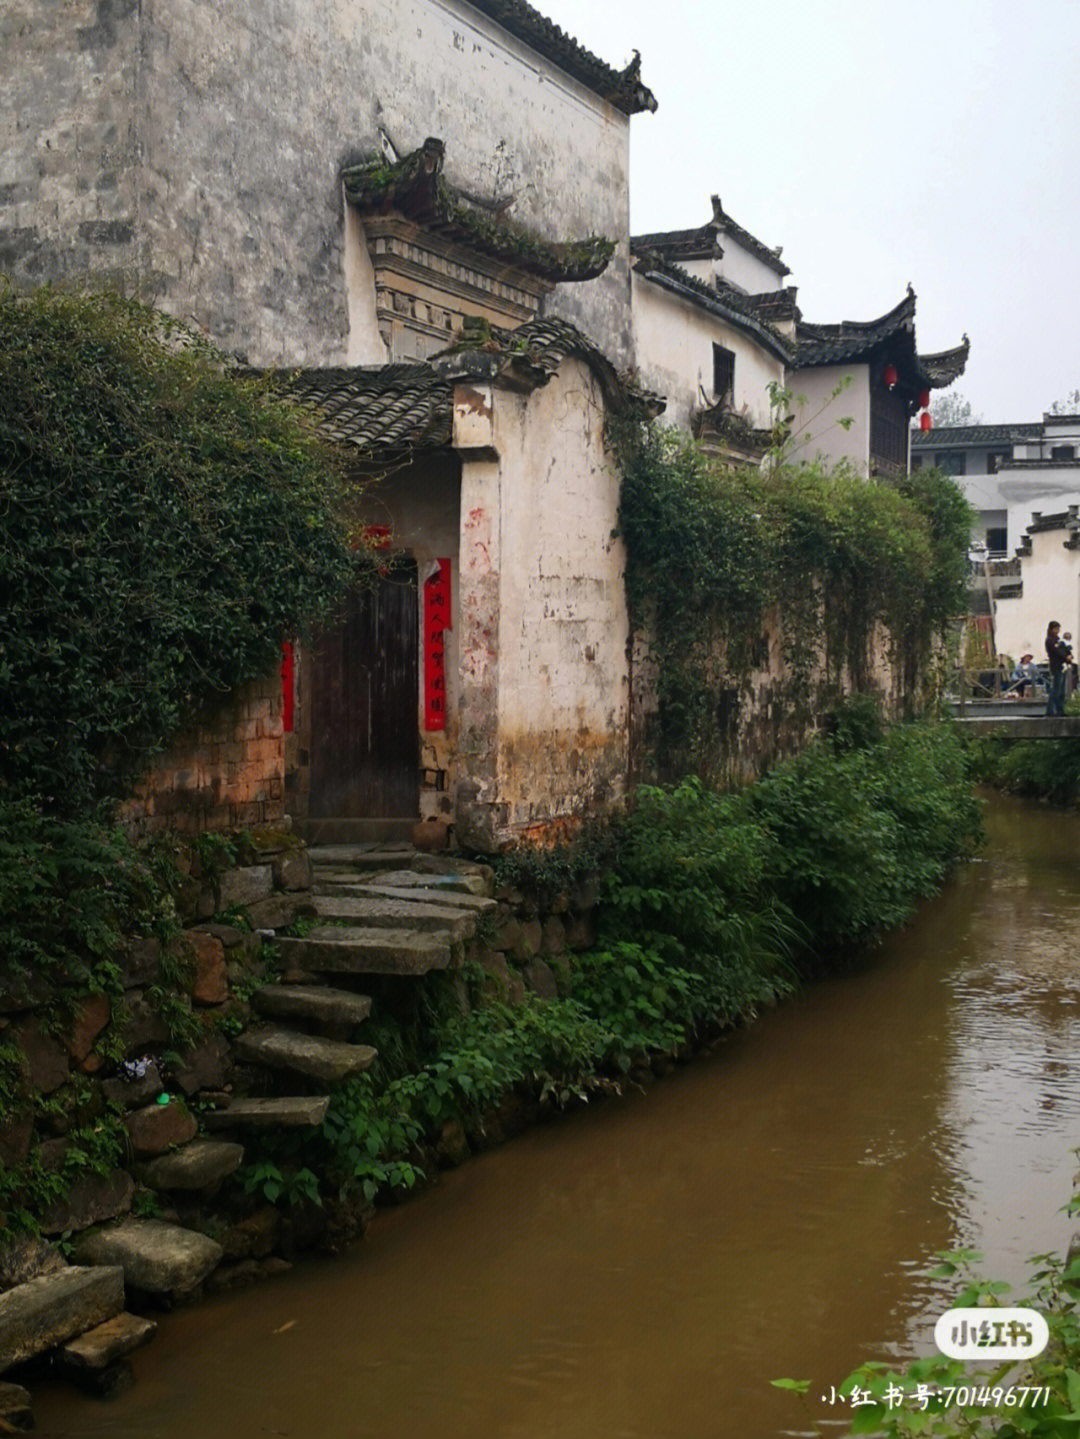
(383, 910)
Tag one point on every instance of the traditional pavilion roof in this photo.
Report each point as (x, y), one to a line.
(720, 299)
(386, 409)
(704, 242)
(854, 341)
(965, 437)
(621, 88)
(416, 188)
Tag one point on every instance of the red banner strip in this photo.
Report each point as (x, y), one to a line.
(437, 620)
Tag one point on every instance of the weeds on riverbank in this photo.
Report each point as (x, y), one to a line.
(949, 1399)
(714, 905)
(1036, 769)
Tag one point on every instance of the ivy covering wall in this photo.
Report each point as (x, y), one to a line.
(722, 559)
(163, 525)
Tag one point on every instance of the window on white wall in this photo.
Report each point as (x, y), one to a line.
(723, 369)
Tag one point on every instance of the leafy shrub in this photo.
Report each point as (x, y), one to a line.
(861, 835)
(163, 525)
(956, 1403)
(69, 893)
(711, 550)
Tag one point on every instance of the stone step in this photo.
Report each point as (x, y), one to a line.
(370, 832)
(104, 1345)
(156, 1257)
(327, 1060)
(50, 1310)
(404, 879)
(202, 1164)
(309, 1001)
(291, 1113)
(361, 856)
(385, 912)
(353, 885)
(330, 949)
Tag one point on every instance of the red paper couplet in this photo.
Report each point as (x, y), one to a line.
(288, 688)
(436, 621)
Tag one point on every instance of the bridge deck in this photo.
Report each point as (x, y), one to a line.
(1013, 723)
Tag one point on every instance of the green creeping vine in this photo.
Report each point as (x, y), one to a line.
(718, 555)
(164, 524)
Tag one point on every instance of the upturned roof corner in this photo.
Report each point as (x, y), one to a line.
(416, 188)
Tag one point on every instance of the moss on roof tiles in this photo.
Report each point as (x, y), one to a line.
(416, 188)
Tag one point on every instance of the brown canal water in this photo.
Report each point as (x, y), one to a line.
(643, 1268)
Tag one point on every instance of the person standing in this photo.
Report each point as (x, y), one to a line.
(1057, 652)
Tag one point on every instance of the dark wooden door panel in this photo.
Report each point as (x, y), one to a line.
(364, 686)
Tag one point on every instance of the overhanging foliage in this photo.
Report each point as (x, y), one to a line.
(838, 560)
(163, 525)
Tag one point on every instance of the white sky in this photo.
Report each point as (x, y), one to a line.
(878, 143)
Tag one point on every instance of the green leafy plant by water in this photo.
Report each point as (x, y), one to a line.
(962, 1402)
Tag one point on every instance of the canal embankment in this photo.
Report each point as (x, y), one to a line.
(714, 906)
(647, 1267)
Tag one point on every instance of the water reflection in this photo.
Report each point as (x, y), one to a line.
(643, 1270)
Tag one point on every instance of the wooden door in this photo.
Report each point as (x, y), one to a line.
(364, 687)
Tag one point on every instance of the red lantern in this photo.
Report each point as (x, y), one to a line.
(889, 375)
(924, 399)
(925, 422)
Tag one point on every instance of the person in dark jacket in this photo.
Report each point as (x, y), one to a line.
(1057, 652)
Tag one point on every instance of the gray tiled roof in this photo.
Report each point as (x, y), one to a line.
(852, 341)
(953, 437)
(415, 187)
(392, 407)
(1038, 465)
(722, 300)
(384, 409)
(704, 242)
(621, 88)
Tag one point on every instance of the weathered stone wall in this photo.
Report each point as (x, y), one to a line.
(760, 717)
(224, 771)
(200, 146)
(68, 140)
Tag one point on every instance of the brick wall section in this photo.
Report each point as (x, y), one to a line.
(224, 771)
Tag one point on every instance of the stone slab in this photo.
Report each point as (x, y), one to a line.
(24, 1257)
(312, 1001)
(445, 899)
(158, 1127)
(328, 949)
(245, 885)
(326, 1060)
(385, 912)
(15, 1409)
(156, 1257)
(405, 879)
(90, 1199)
(294, 1112)
(202, 1164)
(103, 1345)
(360, 856)
(54, 1308)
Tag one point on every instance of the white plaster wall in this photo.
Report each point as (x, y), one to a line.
(209, 138)
(1051, 579)
(741, 267)
(816, 429)
(673, 342)
(1025, 492)
(563, 686)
